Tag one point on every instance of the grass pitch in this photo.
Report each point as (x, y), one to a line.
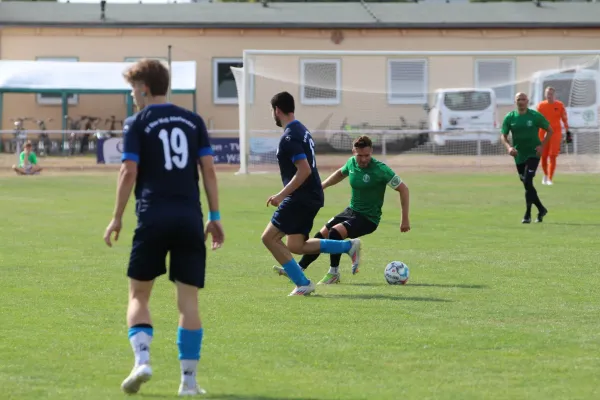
(493, 309)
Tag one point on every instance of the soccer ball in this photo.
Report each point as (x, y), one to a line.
(396, 273)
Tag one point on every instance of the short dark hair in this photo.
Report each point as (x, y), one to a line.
(284, 101)
(362, 142)
(151, 73)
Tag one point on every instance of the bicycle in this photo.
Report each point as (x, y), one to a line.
(43, 138)
(19, 132)
(113, 122)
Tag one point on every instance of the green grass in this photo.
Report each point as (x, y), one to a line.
(493, 310)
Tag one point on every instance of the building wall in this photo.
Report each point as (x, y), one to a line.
(364, 81)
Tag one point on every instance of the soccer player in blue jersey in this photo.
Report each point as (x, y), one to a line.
(299, 201)
(163, 145)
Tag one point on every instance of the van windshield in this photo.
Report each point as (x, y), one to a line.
(574, 92)
(467, 101)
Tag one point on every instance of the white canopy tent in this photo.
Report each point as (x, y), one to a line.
(64, 77)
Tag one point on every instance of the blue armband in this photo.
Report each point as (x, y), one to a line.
(214, 216)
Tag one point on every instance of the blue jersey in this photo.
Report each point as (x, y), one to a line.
(166, 141)
(295, 144)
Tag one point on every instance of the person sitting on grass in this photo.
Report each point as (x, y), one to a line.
(27, 162)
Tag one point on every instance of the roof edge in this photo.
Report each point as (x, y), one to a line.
(282, 25)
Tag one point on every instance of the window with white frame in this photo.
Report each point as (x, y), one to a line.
(224, 87)
(320, 82)
(56, 98)
(497, 74)
(407, 81)
(589, 62)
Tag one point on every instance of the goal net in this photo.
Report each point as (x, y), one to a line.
(422, 110)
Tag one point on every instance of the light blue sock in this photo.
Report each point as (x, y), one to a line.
(294, 272)
(189, 343)
(134, 330)
(335, 246)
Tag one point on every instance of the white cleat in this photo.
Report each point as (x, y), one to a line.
(303, 290)
(549, 182)
(195, 390)
(545, 180)
(140, 374)
(354, 253)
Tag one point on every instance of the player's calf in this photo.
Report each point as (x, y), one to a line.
(308, 259)
(272, 240)
(189, 336)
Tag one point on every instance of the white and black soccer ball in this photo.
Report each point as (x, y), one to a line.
(396, 273)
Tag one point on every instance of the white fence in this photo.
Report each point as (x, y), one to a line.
(406, 149)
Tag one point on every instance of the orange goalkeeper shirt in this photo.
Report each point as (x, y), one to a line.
(554, 113)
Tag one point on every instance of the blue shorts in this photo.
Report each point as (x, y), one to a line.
(294, 218)
(178, 231)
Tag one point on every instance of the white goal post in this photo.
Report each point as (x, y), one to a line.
(421, 108)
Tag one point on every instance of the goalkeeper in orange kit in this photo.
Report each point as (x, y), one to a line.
(554, 111)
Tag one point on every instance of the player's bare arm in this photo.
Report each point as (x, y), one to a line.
(404, 204)
(511, 150)
(334, 179)
(126, 181)
(505, 130)
(302, 173)
(209, 180)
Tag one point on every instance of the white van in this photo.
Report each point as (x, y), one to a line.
(576, 88)
(464, 114)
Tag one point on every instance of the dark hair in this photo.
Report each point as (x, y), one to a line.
(151, 73)
(28, 144)
(362, 142)
(284, 101)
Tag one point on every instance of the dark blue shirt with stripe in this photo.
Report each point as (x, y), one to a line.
(296, 144)
(166, 142)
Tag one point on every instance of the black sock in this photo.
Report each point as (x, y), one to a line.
(531, 195)
(537, 201)
(528, 204)
(308, 259)
(335, 258)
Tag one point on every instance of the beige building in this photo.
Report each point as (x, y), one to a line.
(373, 90)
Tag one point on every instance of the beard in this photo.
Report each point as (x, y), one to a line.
(277, 121)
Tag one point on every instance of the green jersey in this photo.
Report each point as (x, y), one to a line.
(368, 186)
(32, 159)
(524, 130)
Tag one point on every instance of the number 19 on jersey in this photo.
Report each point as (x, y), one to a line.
(175, 148)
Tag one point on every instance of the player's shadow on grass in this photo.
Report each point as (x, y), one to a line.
(439, 285)
(449, 285)
(386, 297)
(570, 224)
(250, 397)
